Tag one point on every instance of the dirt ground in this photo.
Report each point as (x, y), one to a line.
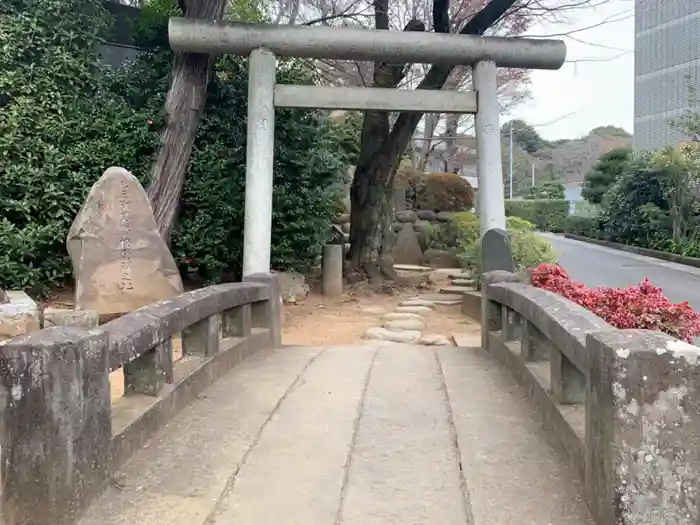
(336, 321)
(319, 320)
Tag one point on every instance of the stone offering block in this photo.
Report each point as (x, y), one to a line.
(120, 261)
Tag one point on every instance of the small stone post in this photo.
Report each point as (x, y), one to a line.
(332, 270)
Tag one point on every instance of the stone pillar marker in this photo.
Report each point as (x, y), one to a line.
(120, 261)
(332, 270)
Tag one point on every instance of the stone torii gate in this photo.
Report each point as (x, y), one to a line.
(264, 42)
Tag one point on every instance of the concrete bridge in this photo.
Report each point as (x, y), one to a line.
(555, 418)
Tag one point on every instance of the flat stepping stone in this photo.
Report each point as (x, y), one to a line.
(417, 302)
(435, 297)
(434, 340)
(397, 336)
(399, 316)
(448, 303)
(405, 324)
(464, 282)
(413, 309)
(412, 268)
(373, 310)
(452, 290)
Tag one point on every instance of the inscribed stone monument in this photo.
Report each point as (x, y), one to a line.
(120, 260)
(496, 252)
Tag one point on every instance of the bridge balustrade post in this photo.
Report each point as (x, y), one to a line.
(237, 322)
(202, 338)
(642, 428)
(510, 324)
(534, 345)
(567, 382)
(268, 313)
(57, 429)
(491, 314)
(150, 371)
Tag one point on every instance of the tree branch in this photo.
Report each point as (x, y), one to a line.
(436, 77)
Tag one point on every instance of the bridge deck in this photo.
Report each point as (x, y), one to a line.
(375, 434)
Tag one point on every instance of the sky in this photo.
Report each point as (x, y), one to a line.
(595, 87)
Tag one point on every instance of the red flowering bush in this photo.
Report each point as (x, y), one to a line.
(643, 306)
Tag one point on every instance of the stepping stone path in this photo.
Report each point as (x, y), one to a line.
(413, 309)
(454, 290)
(397, 316)
(406, 324)
(418, 302)
(411, 268)
(463, 282)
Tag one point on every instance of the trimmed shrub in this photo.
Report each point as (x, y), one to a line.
(309, 160)
(592, 227)
(59, 130)
(412, 180)
(546, 190)
(546, 214)
(63, 122)
(445, 192)
(643, 306)
(462, 227)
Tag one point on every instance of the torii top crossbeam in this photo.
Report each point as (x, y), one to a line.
(200, 36)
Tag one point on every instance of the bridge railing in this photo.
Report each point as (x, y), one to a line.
(624, 405)
(63, 435)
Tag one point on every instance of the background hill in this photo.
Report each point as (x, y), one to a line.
(565, 160)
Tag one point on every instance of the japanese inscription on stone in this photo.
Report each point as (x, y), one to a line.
(120, 261)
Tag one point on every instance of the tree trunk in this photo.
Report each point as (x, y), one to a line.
(371, 237)
(382, 145)
(183, 108)
(371, 193)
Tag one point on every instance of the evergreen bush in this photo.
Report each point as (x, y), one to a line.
(63, 121)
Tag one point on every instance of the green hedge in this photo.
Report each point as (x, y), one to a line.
(63, 121)
(592, 227)
(546, 214)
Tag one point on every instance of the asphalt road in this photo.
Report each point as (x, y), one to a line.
(600, 266)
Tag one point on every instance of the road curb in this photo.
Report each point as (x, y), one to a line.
(670, 257)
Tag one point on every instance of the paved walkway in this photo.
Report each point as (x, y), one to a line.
(376, 434)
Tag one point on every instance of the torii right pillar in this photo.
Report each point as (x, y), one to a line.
(492, 211)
